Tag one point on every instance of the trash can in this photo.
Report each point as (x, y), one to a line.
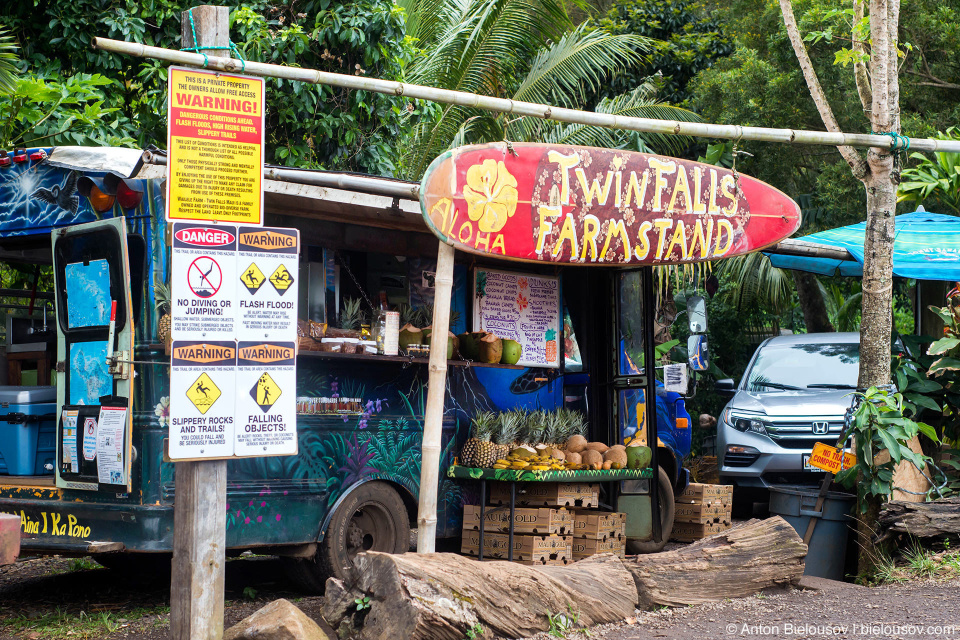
(828, 546)
(28, 417)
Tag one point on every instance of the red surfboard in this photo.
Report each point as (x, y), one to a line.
(582, 205)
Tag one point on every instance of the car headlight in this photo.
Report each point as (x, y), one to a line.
(744, 423)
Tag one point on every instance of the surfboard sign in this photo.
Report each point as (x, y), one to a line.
(582, 205)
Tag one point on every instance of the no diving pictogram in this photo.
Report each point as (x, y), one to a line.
(204, 277)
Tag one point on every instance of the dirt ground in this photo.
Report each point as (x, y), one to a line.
(74, 598)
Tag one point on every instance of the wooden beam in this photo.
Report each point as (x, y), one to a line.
(200, 501)
(807, 249)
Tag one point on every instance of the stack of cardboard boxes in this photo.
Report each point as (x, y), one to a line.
(702, 510)
(554, 523)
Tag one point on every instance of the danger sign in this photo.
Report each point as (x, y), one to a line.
(202, 379)
(269, 259)
(215, 135)
(266, 399)
(203, 266)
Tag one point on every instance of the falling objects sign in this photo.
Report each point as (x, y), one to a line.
(267, 263)
(215, 141)
(266, 399)
(203, 274)
(202, 382)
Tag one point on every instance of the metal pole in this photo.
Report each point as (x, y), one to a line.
(649, 311)
(433, 420)
(504, 105)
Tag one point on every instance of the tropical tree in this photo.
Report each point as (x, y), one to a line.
(524, 50)
(937, 179)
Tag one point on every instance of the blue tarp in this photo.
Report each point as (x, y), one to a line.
(926, 247)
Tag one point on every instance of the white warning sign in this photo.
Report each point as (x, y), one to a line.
(202, 406)
(266, 399)
(267, 273)
(204, 287)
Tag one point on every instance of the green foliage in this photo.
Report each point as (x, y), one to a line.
(476, 631)
(362, 603)
(563, 623)
(881, 423)
(686, 41)
(935, 182)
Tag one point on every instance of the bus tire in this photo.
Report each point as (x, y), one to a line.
(372, 517)
(667, 509)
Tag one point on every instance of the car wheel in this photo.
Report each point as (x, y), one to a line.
(667, 509)
(372, 518)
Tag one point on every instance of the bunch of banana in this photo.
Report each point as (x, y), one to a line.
(523, 460)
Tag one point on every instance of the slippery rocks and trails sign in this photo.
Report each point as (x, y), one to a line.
(582, 205)
(234, 330)
(215, 139)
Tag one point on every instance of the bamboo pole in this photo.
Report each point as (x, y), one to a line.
(436, 389)
(503, 105)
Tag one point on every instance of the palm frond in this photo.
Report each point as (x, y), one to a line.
(760, 282)
(9, 60)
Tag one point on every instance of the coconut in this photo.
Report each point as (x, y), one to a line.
(636, 443)
(573, 457)
(576, 444)
(591, 457)
(522, 452)
(470, 344)
(409, 335)
(511, 352)
(559, 455)
(619, 446)
(597, 446)
(491, 349)
(616, 455)
(451, 343)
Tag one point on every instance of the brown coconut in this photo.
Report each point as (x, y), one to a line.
(573, 457)
(614, 454)
(619, 446)
(597, 446)
(491, 349)
(576, 444)
(558, 454)
(591, 457)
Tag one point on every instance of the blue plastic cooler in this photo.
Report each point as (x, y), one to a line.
(27, 443)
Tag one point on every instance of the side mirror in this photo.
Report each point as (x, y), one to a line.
(697, 353)
(726, 387)
(697, 314)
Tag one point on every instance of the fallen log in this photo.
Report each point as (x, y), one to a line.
(736, 563)
(920, 519)
(442, 596)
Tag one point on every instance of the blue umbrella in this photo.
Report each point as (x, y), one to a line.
(926, 247)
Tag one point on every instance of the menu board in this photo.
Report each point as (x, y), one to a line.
(522, 307)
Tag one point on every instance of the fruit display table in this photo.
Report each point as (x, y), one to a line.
(512, 477)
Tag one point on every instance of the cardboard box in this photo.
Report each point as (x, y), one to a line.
(708, 493)
(688, 532)
(702, 513)
(9, 538)
(598, 525)
(541, 521)
(530, 549)
(548, 494)
(585, 547)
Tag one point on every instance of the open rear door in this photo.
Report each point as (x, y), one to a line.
(91, 267)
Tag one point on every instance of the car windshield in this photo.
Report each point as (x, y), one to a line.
(803, 366)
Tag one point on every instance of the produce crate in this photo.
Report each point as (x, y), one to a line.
(541, 521)
(598, 525)
(585, 547)
(688, 532)
(702, 513)
(707, 493)
(548, 494)
(527, 549)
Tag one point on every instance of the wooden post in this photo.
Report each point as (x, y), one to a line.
(436, 390)
(200, 499)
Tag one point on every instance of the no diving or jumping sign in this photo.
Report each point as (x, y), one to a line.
(203, 274)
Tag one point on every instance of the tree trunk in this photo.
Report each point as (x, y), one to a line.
(814, 308)
(920, 519)
(733, 564)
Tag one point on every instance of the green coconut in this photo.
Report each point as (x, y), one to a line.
(451, 344)
(638, 457)
(511, 352)
(409, 335)
(470, 344)
(491, 349)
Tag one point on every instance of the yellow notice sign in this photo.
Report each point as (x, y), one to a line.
(830, 458)
(215, 135)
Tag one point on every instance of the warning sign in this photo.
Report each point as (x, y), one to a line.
(830, 458)
(203, 267)
(253, 278)
(215, 141)
(268, 312)
(203, 376)
(266, 409)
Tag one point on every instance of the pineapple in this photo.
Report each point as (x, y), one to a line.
(352, 316)
(505, 433)
(161, 294)
(535, 427)
(478, 450)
